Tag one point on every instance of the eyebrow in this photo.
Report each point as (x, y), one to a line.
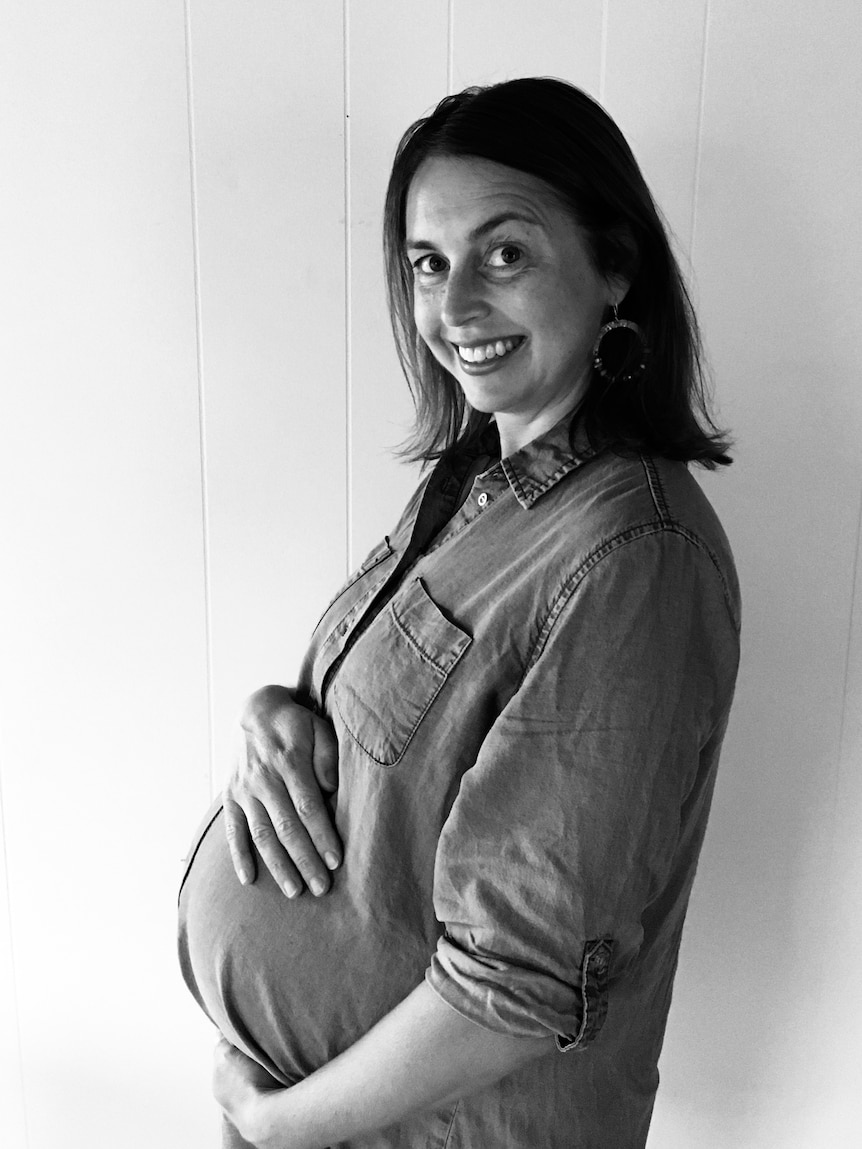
(489, 225)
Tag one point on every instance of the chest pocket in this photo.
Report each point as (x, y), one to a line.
(389, 680)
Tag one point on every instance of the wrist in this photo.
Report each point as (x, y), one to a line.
(252, 1120)
(267, 1121)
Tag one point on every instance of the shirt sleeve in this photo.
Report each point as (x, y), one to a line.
(570, 822)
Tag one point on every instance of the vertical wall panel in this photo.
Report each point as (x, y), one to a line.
(102, 626)
(836, 1118)
(268, 115)
(397, 72)
(651, 86)
(777, 235)
(500, 39)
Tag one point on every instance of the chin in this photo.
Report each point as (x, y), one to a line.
(484, 407)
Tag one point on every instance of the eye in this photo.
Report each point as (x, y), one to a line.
(506, 255)
(429, 265)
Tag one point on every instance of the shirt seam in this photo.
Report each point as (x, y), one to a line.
(602, 551)
(656, 488)
(398, 757)
(369, 592)
(528, 488)
(660, 501)
(549, 482)
(451, 1125)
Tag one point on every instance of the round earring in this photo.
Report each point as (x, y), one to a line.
(635, 361)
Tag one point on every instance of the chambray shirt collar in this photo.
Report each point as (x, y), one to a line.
(542, 463)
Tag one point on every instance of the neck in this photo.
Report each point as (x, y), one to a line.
(516, 430)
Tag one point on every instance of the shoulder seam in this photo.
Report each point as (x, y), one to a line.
(601, 551)
(656, 488)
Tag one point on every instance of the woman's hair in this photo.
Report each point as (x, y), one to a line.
(554, 131)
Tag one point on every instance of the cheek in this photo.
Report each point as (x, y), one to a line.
(572, 314)
(424, 316)
(420, 314)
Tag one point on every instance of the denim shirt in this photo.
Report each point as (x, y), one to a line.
(529, 692)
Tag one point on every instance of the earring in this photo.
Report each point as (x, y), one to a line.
(640, 357)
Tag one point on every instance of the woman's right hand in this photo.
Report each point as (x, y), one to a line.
(273, 802)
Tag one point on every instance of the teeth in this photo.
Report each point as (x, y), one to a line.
(489, 351)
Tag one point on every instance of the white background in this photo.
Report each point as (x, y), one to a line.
(199, 391)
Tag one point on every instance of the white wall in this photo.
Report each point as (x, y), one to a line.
(199, 391)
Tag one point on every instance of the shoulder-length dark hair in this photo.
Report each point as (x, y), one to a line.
(552, 130)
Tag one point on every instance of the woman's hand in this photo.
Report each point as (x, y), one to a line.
(420, 1056)
(241, 1088)
(273, 801)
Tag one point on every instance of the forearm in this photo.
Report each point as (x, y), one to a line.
(420, 1055)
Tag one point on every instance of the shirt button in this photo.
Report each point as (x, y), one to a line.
(483, 499)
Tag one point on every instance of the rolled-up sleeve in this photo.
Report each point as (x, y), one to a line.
(570, 823)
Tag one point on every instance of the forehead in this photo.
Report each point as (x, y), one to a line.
(450, 192)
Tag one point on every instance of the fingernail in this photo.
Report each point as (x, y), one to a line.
(243, 877)
(318, 887)
(291, 889)
(331, 861)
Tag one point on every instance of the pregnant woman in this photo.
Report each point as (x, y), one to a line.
(496, 766)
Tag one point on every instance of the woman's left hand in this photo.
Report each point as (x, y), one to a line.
(241, 1087)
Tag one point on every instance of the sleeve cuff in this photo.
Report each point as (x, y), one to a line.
(524, 1002)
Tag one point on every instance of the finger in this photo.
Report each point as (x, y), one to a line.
(325, 754)
(279, 773)
(318, 849)
(308, 803)
(224, 1076)
(238, 841)
(267, 842)
(288, 812)
(262, 813)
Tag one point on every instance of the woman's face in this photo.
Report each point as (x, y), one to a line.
(505, 293)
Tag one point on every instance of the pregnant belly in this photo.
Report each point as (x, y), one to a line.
(292, 982)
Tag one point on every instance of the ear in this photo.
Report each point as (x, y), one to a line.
(621, 262)
(618, 289)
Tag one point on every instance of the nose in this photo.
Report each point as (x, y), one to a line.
(463, 299)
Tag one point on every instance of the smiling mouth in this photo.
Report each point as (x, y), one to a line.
(493, 350)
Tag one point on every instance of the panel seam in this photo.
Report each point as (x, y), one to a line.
(855, 591)
(199, 354)
(348, 311)
(14, 986)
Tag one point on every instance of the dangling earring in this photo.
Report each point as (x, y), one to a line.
(616, 324)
